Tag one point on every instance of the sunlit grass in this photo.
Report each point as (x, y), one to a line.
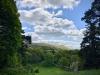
(57, 71)
(50, 71)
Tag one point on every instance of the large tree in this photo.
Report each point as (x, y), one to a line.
(10, 31)
(90, 46)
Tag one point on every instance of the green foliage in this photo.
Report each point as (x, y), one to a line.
(74, 58)
(37, 55)
(13, 71)
(90, 46)
(57, 56)
(36, 70)
(27, 58)
(48, 59)
(63, 62)
(81, 64)
(10, 32)
(29, 68)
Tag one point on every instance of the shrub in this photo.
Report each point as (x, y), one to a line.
(63, 62)
(36, 70)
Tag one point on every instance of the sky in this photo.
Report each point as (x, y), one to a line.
(56, 22)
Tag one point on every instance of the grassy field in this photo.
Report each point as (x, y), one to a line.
(51, 71)
(57, 71)
(48, 70)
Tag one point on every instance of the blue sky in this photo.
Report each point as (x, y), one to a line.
(57, 22)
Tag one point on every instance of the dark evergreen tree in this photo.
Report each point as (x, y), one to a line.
(10, 31)
(23, 48)
(90, 46)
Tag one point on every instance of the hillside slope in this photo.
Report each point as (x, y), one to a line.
(46, 46)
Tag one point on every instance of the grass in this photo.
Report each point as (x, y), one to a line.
(50, 71)
(85, 72)
(57, 71)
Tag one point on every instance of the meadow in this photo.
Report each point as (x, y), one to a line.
(57, 71)
(50, 71)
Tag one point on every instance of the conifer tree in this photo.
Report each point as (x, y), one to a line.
(10, 31)
(90, 46)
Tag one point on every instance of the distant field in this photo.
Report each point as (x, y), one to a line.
(57, 71)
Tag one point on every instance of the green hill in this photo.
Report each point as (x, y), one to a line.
(46, 46)
(62, 47)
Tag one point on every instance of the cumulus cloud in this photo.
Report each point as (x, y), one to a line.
(60, 12)
(34, 36)
(50, 26)
(41, 16)
(49, 31)
(48, 3)
(60, 23)
(75, 34)
(35, 16)
(58, 32)
(47, 24)
(26, 28)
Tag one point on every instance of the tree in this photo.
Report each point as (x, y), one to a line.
(90, 46)
(10, 31)
(57, 56)
(37, 55)
(74, 58)
(48, 59)
(63, 61)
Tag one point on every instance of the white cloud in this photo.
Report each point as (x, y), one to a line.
(24, 28)
(69, 44)
(82, 30)
(34, 36)
(35, 16)
(46, 24)
(49, 31)
(60, 23)
(41, 16)
(60, 12)
(48, 3)
(59, 32)
(75, 34)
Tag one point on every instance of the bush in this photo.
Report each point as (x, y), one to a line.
(63, 62)
(36, 70)
(48, 59)
(13, 71)
(29, 68)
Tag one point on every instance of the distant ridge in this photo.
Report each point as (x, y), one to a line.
(46, 46)
(62, 47)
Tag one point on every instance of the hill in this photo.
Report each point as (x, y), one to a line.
(46, 46)
(62, 47)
